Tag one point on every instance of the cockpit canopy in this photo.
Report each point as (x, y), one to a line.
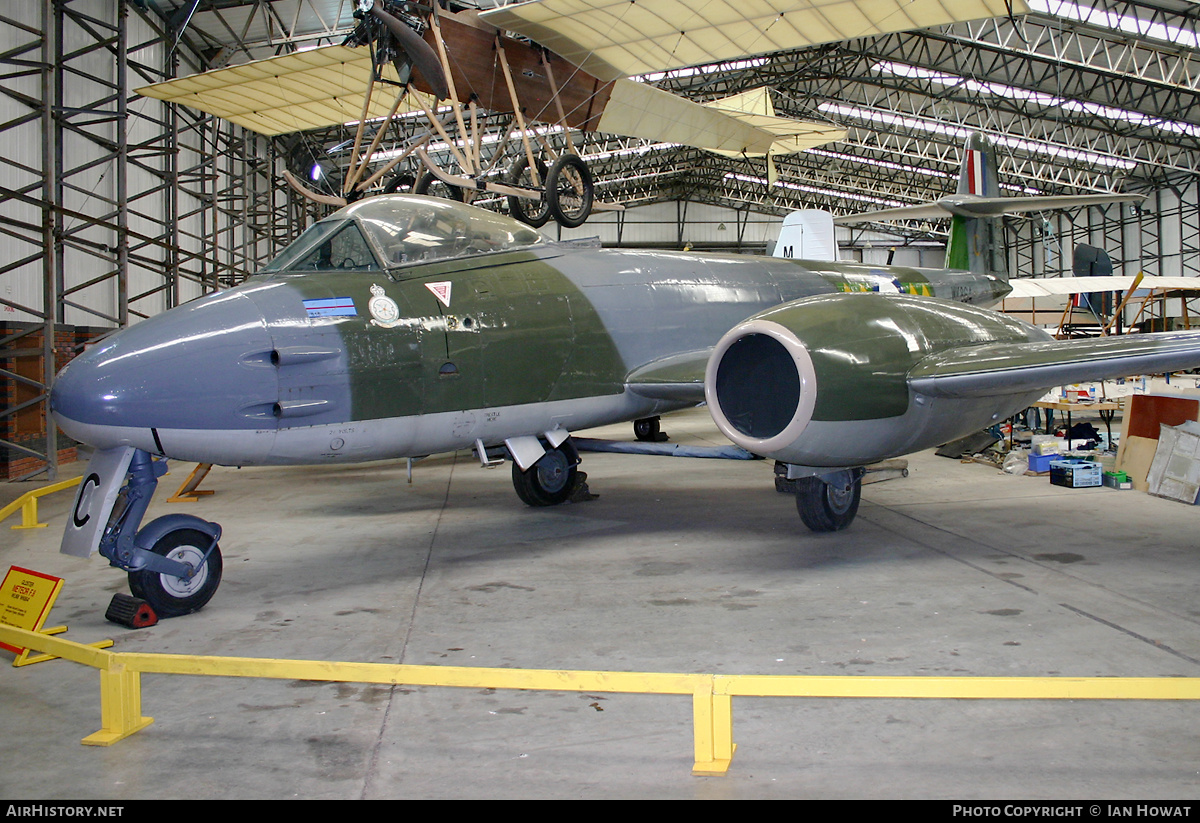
(392, 231)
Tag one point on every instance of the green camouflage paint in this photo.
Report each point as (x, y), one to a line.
(473, 353)
(864, 348)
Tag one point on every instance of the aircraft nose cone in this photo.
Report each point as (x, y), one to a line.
(195, 367)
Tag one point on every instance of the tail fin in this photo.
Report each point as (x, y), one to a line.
(978, 175)
(975, 243)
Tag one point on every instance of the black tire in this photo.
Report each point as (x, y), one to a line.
(646, 429)
(569, 191)
(828, 507)
(168, 595)
(547, 482)
(530, 212)
(400, 181)
(430, 184)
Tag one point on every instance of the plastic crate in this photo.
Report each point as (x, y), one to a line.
(1041, 462)
(1075, 474)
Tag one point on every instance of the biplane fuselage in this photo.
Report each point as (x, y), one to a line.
(544, 82)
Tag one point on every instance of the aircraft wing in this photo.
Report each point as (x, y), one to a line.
(641, 110)
(620, 38)
(1011, 368)
(975, 206)
(1050, 286)
(678, 377)
(325, 87)
(289, 93)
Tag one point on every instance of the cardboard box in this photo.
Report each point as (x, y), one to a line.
(1048, 447)
(1075, 474)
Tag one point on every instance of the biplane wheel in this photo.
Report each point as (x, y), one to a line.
(828, 507)
(531, 212)
(569, 190)
(400, 181)
(168, 595)
(430, 184)
(547, 482)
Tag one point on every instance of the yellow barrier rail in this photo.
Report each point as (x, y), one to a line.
(712, 695)
(27, 503)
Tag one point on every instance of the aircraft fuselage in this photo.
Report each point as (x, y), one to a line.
(336, 361)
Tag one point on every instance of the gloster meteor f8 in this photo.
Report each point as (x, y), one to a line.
(405, 325)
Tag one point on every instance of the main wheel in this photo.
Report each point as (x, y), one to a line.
(569, 190)
(531, 212)
(547, 482)
(646, 429)
(168, 595)
(828, 507)
(432, 185)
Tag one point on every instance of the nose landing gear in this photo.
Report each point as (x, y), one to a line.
(174, 563)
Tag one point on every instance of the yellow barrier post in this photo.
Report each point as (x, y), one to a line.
(27, 503)
(120, 705)
(712, 721)
(712, 695)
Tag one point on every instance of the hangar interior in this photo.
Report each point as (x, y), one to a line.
(115, 207)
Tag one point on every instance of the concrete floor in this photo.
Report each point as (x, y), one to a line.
(679, 566)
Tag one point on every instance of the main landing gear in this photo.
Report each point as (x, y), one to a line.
(825, 503)
(553, 479)
(649, 430)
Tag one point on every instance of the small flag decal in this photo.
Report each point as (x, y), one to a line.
(331, 307)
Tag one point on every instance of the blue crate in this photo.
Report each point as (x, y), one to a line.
(1041, 462)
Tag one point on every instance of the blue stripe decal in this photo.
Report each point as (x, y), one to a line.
(331, 307)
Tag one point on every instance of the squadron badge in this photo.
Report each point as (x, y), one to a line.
(384, 311)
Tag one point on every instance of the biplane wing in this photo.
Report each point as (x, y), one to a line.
(641, 110)
(619, 38)
(608, 39)
(1028, 288)
(324, 87)
(289, 93)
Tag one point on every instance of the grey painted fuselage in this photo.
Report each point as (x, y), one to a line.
(328, 362)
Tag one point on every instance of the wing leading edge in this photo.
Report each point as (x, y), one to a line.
(995, 369)
(679, 377)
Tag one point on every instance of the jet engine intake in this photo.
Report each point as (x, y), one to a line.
(823, 381)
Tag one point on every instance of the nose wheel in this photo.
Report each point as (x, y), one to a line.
(171, 596)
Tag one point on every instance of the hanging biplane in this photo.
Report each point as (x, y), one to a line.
(555, 67)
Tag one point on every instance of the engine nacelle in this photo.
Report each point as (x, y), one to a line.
(823, 381)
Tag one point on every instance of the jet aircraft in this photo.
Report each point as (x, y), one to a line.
(404, 325)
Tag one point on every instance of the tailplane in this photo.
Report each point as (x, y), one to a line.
(976, 240)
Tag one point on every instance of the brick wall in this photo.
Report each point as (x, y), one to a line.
(27, 427)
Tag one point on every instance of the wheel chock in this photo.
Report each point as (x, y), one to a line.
(131, 612)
